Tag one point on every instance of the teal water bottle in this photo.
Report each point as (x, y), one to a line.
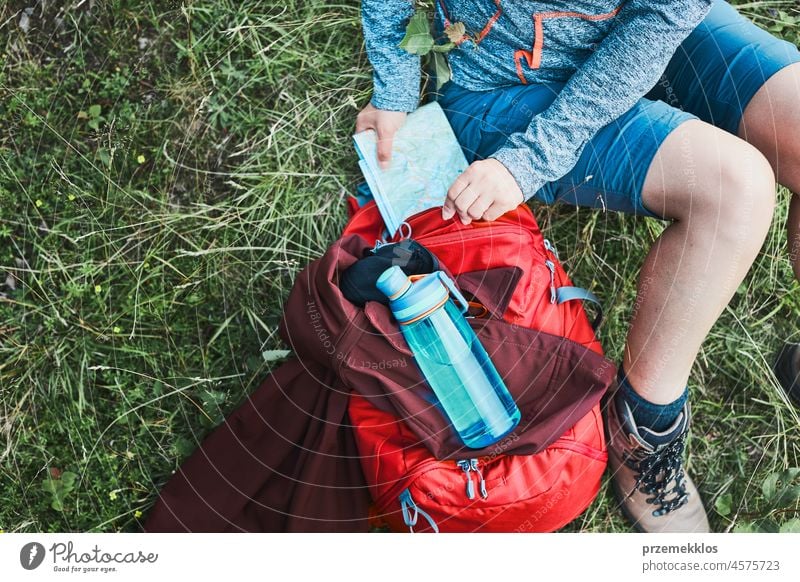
(450, 356)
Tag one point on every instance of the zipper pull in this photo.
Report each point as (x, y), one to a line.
(549, 246)
(552, 267)
(466, 466)
(404, 230)
(482, 481)
(410, 519)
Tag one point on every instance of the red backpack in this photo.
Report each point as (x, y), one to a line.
(497, 492)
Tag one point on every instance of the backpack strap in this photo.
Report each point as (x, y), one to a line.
(570, 293)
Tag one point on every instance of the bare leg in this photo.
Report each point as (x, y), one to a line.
(771, 122)
(719, 191)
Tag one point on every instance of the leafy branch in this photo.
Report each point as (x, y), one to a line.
(419, 40)
(780, 493)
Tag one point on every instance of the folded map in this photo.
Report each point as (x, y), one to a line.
(426, 159)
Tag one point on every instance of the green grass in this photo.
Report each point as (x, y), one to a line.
(167, 168)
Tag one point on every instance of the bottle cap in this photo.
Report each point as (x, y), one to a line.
(393, 282)
(412, 301)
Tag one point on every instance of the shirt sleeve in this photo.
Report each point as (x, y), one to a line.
(625, 66)
(396, 73)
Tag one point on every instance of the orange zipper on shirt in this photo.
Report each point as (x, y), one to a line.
(489, 24)
(534, 56)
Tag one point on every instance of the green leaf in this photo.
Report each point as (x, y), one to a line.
(787, 497)
(418, 24)
(442, 69)
(767, 525)
(253, 363)
(792, 473)
(791, 526)
(183, 447)
(746, 527)
(418, 39)
(105, 156)
(59, 488)
(95, 111)
(68, 479)
(443, 48)
(49, 485)
(770, 485)
(780, 490)
(723, 504)
(212, 398)
(272, 355)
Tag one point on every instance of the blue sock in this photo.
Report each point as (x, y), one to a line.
(656, 417)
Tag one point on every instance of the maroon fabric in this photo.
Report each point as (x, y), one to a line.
(286, 459)
(492, 287)
(283, 461)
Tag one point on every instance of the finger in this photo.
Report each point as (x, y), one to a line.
(364, 122)
(384, 147)
(467, 197)
(495, 211)
(480, 206)
(458, 185)
(362, 125)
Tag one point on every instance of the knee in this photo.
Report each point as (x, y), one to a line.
(787, 158)
(745, 194)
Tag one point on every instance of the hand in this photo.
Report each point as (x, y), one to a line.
(484, 191)
(385, 123)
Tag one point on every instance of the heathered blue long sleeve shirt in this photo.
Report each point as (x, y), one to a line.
(608, 53)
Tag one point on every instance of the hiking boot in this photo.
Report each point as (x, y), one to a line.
(653, 490)
(787, 371)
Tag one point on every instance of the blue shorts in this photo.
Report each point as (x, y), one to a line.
(712, 76)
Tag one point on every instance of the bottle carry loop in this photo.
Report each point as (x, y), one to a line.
(569, 293)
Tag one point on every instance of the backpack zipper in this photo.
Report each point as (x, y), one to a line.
(551, 266)
(482, 481)
(459, 235)
(467, 467)
(549, 246)
(406, 504)
(497, 226)
(432, 465)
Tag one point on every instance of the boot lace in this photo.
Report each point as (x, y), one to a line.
(656, 470)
